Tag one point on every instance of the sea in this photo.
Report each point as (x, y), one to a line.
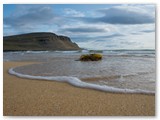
(119, 71)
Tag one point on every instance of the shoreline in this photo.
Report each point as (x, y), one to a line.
(34, 97)
(76, 82)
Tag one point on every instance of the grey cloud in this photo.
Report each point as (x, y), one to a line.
(98, 38)
(148, 31)
(121, 16)
(84, 29)
(142, 32)
(129, 43)
(136, 33)
(111, 46)
(31, 19)
(113, 35)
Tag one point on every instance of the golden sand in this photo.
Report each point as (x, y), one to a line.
(34, 97)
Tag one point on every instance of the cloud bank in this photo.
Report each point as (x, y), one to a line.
(126, 15)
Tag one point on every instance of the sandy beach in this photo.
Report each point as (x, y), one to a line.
(24, 97)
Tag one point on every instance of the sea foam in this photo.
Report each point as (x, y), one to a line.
(37, 52)
(78, 83)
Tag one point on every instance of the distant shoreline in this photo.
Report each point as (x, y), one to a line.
(36, 50)
(85, 49)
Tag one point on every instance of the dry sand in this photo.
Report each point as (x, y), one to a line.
(23, 97)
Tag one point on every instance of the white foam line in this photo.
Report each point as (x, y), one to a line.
(37, 51)
(77, 82)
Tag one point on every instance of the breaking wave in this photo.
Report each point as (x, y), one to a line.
(78, 83)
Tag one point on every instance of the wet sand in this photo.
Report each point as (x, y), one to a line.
(24, 97)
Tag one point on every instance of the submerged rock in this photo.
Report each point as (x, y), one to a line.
(91, 57)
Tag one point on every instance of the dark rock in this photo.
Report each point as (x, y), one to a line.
(91, 57)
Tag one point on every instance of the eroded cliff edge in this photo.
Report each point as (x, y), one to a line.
(38, 41)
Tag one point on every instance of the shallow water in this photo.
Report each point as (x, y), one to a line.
(121, 71)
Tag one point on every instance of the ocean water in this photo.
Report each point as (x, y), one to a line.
(123, 71)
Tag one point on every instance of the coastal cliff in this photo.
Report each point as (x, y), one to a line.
(38, 41)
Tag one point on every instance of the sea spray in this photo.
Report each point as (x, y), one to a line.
(78, 83)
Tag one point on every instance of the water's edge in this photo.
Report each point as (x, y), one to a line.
(78, 83)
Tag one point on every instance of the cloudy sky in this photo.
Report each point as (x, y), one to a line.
(102, 26)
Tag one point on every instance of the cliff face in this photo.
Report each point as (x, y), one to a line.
(38, 41)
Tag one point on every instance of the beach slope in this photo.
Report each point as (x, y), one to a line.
(24, 97)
